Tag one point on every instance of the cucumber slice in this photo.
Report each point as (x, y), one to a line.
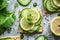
(37, 26)
(49, 7)
(57, 3)
(24, 2)
(35, 29)
(23, 12)
(39, 21)
(44, 3)
(41, 37)
(53, 5)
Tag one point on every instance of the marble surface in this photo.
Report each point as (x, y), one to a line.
(46, 21)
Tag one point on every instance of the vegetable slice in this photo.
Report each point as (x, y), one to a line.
(41, 37)
(24, 2)
(37, 25)
(6, 20)
(57, 2)
(53, 5)
(23, 12)
(44, 3)
(49, 7)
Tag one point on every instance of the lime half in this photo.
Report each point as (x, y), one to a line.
(55, 26)
(32, 16)
(25, 26)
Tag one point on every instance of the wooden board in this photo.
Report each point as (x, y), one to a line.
(13, 37)
(40, 30)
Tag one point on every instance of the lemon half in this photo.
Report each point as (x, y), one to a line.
(55, 26)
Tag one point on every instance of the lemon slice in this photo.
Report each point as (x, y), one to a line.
(25, 26)
(55, 26)
(32, 16)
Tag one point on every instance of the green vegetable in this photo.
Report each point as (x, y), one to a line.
(3, 4)
(49, 7)
(42, 37)
(24, 2)
(56, 3)
(44, 3)
(6, 19)
(39, 21)
(37, 26)
(22, 36)
(35, 29)
(35, 4)
(53, 5)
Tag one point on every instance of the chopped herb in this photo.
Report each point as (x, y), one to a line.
(22, 36)
(34, 4)
(29, 19)
(29, 14)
